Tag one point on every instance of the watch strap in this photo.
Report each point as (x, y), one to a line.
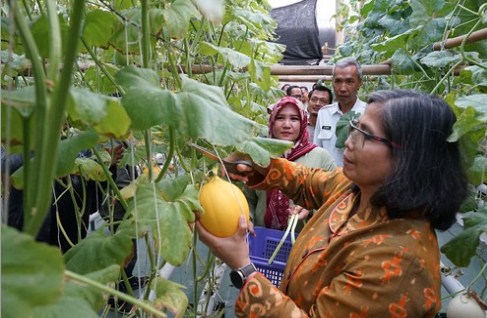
(239, 276)
(247, 270)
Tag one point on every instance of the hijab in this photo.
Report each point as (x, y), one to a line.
(277, 207)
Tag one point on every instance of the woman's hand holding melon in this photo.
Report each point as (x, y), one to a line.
(232, 250)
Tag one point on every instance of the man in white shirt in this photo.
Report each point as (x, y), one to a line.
(319, 96)
(347, 79)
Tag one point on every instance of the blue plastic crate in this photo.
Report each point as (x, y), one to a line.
(261, 247)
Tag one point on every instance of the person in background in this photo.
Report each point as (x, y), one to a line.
(319, 96)
(370, 250)
(67, 221)
(347, 79)
(284, 87)
(287, 121)
(304, 97)
(294, 91)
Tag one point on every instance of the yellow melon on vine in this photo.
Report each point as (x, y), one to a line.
(223, 203)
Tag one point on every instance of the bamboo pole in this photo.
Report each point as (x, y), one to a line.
(457, 41)
(303, 78)
(317, 70)
(374, 69)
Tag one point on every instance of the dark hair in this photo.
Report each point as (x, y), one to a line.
(285, 86)
(304, 87)
(290, 88)
(428, 176)
(320, 86)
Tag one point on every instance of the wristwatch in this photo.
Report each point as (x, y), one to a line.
(238, 276)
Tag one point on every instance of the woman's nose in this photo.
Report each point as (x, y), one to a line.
(349, 142)
(287, 123)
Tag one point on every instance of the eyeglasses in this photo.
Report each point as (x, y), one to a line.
(355, 130)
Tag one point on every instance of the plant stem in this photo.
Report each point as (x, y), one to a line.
(110, 180)
(445, 77)
(283, 239)
(148, 153)
(478, 276)
(27, 9)
(169, 155)
(46, 150)
(146, 50)
(101, 66)
(41, 108)
(94, 284)
(54, 41)
(174, 71)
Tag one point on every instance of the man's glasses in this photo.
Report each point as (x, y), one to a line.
(356, 133)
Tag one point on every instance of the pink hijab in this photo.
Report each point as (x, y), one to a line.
(277, 211)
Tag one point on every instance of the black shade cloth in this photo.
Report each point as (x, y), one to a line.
(298, 30)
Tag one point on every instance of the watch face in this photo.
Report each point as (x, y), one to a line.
(237, 279)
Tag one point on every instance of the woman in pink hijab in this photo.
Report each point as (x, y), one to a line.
(288, 121)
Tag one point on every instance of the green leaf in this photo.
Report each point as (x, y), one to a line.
(468, 130)
(172, 189)
(69, 150)
(423, 10)
(131, 77)
(403, 63)
(392, 44)
(150, 107)
(169, 221)
(41, 31)
(463, 247)
(261, 150)
(98, 27)
(99, 250)
(169, 296)
(98, 80)
(236, 59)
(103, 113)
(395, 25)
(87, 106)
(15, 114)
(22, 99)
(177, 16)
(80, 300)
(90, 168)
(206, 115)
(197, 111)
(126, 38)
(477, 172)
(260, 73)
(470, 203)
(440, 58)
(116, 123)
(466, 122)
(430, 33)
(343, 128)
(476, 101)
(32, 274)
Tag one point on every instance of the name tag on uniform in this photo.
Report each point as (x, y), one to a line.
(326, 127)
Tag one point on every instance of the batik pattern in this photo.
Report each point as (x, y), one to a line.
(360, 266)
